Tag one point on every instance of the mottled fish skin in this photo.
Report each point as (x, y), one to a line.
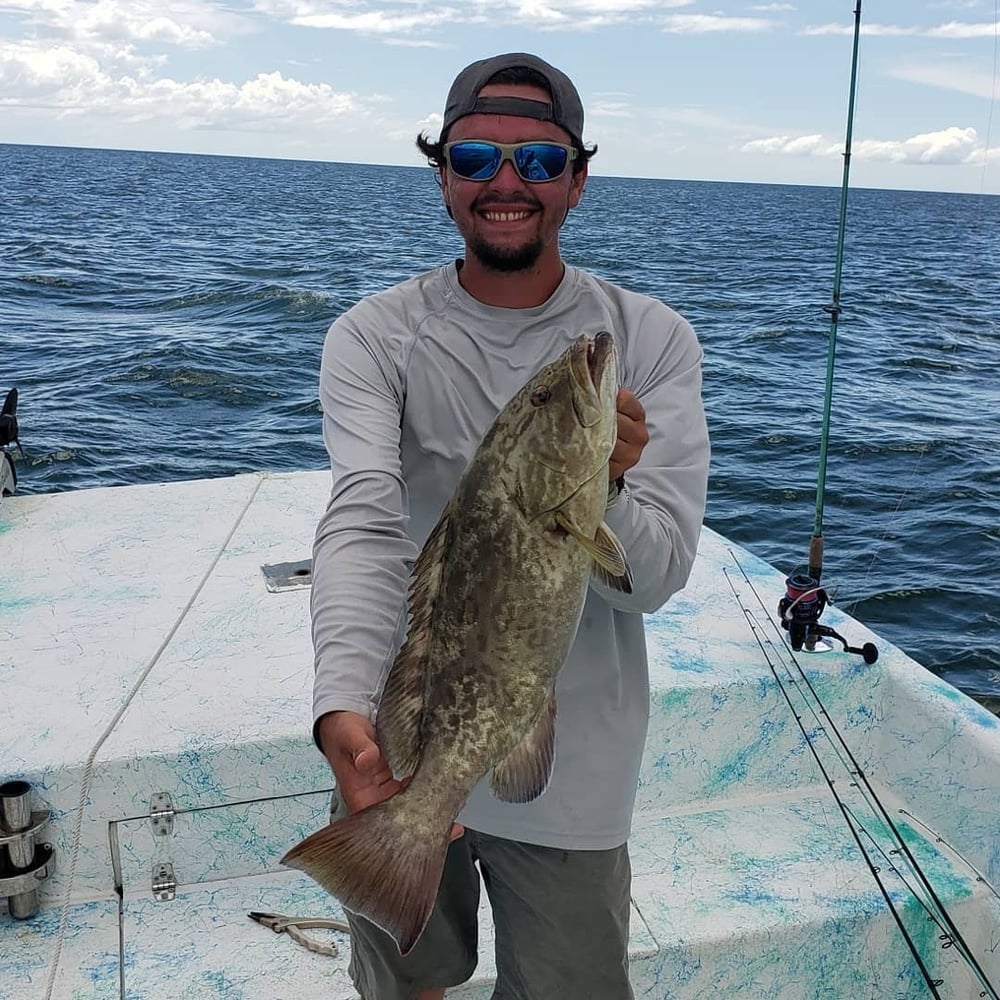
(496, 598)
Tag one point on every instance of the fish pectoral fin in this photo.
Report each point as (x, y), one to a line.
(401, 707)
(610, 563)
(611, 567)
(524, 773)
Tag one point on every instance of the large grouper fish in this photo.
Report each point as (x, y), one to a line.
(495, 599)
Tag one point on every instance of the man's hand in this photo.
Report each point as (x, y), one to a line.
(363, 776)
(632, 434)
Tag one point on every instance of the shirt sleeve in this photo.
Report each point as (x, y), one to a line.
(659, 516)
(362, 555)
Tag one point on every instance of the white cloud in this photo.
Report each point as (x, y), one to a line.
(377, 22)
(418, 15)
(71, 82)
(951, 30)
(31, 75)
(961, 78)
(956, 29)
(773, 8)
(866, 29)
(950, 145)
(431, 123)
(414, 43)
(611, 8)
(947, 146)
(702, 24)
(802, 145)
(699, 118)
(609, 108)
(180, 23)
(114, 20)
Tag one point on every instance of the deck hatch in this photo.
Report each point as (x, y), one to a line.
(287, 575)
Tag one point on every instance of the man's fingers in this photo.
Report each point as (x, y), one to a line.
(633, 435)
(348, 740)
(367, 795)
(367, 758)
(628, 405)
(632, 432)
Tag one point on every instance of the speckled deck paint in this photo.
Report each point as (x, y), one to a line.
(142, 653)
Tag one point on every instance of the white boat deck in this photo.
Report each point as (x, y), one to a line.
(141, 653)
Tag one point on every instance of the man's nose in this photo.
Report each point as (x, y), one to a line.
(507, 178)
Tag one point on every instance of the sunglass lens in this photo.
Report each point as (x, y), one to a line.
(540, 161)
(475, 161)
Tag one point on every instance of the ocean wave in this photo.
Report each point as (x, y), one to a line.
(166, 327)
(47, 279)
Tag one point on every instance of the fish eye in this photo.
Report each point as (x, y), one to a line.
(540, 396)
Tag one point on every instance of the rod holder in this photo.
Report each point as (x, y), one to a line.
(24, 863)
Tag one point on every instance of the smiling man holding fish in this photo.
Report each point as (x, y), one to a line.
(519, 457)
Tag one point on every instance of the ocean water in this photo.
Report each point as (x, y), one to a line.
(162, 316)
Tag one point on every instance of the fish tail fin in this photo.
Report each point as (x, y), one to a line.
(372, 862)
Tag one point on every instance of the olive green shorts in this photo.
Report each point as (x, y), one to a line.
(561, 920)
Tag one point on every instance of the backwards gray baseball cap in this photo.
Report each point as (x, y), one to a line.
(565, 108)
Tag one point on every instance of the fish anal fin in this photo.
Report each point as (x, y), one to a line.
(401, 706)
(524, 773)
(608, 553)
(372, 862)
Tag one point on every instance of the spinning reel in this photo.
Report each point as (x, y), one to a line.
(800, 609)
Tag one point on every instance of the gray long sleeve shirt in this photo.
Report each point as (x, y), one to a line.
(411, 379)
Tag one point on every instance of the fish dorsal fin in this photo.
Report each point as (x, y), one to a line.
(610, 562)
(401, 707)
(524, 773)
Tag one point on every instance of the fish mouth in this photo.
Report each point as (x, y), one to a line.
(599, 351)
(588, 366)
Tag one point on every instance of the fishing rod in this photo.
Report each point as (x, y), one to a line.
(834, 309)
(804, 599)
(799, 612)
(931, 983)
(927, 897)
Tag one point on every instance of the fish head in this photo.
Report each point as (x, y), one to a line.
(563, 424)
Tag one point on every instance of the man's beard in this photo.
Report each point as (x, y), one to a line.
(506, 259)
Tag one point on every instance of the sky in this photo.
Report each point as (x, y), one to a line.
(731, 91)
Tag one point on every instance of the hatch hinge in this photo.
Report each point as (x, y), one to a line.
(161, 819)
(161, 814)
(164, 882)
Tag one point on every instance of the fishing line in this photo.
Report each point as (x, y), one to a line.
(980, 877)
(891, 865)
(944, 937)
(908, 488)
(868, 793)
(88, 767)
(993, 93)
(858, 774)
(834, 309)
(932, 984)
(893, 519)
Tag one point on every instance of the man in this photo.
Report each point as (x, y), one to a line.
(411, 379)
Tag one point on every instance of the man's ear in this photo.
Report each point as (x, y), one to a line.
(442, 183)
(577, 185)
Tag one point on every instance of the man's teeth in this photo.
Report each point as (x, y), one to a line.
(505, 216)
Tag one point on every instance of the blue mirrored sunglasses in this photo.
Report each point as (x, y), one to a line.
(535, 162)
